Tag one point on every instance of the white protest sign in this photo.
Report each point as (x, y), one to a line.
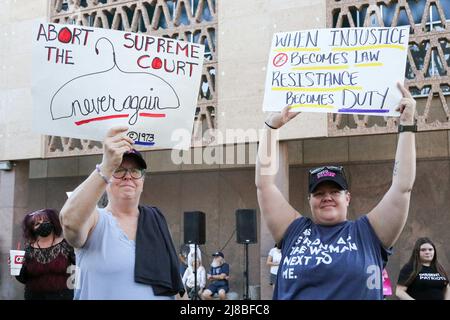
(86, 80)
(348, 70)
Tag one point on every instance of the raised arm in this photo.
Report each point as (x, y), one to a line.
(277, 212)
(79, 214)
(389, 217)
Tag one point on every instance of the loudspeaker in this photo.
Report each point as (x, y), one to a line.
(194, 227)
(246, 226)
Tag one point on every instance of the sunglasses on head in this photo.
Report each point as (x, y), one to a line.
(337, 169)
(31, 214)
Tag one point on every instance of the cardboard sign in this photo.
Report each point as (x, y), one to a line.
(349, 70)
(86, 80)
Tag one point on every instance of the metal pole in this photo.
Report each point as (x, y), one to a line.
(195, 296)
(246, 296)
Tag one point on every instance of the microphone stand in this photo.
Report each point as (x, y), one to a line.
(246, 295)
(195, 295)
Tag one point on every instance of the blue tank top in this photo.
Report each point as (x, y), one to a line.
(105, 265)
(341, 262)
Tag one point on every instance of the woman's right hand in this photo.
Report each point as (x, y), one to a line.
(116, 143)
(279, 119)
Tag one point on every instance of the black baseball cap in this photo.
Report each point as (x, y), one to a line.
(327, 173)
(218, 254)
(137, 156)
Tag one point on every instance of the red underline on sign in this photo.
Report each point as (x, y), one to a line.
(79, 123)
(152, 115)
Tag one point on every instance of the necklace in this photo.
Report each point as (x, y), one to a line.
(45, 255)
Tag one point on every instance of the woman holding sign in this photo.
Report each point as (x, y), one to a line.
(124, 251)
(328, 256)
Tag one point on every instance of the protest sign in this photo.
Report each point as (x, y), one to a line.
(348, 70)
(86, 80)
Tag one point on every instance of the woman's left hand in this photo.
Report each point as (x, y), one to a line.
(406, 106)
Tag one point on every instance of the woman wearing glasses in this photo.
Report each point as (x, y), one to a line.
(124, 251)
(423, 277)
(328, 256)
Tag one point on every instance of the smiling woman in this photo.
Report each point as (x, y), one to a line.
(327, 256)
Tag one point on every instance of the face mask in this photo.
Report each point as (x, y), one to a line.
(44, 229)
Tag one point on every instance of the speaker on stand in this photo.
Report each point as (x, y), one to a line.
(194, 233)
(246, 234)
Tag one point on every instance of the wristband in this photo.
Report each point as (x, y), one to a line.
(410, 128)
(97, 168)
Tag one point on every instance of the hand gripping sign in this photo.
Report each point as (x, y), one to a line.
(86, 80)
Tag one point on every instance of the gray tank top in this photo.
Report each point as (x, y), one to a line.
(105, 265)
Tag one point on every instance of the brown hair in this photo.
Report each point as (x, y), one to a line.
(416, 264)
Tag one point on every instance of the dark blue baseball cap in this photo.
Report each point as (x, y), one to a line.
(137, 156)
(218, 254)
(327, 173)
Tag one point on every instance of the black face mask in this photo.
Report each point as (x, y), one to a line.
(44, 229)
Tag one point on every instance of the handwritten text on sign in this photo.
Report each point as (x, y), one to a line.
(86, 80)
(351, 70)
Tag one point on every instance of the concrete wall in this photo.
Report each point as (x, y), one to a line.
(18, 141)
(13, 203)
(245, 34)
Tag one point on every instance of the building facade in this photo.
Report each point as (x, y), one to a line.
(216, 176)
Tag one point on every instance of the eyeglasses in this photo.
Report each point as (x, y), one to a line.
(332, 168)
(135, 173)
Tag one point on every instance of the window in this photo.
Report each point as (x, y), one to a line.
(434, 23)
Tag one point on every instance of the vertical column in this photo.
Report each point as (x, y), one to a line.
(267, 242)
(13, 205)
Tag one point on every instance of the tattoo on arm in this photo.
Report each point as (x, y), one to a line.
(396, 165)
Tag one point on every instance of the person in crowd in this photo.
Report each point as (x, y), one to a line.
(49, 260)
(124, 251)
(194, 255)
(327, 256)
(183, 255)
(273, 260)
(218, 277)
(423, 277)
(194, 270)
(387, 286)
